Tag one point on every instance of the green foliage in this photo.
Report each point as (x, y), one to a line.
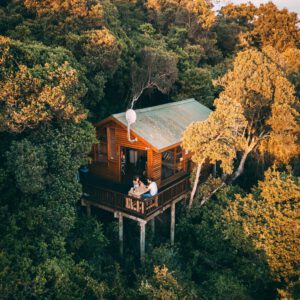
(28, 164)
(197, 83)
(65, 63)
(225, 286)
(269, 218)
(87, 240)
(162, 285)
(218, 256)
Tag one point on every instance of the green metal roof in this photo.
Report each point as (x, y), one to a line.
(162, 126)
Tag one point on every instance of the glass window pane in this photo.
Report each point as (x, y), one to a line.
(168, 160)
(112, 141)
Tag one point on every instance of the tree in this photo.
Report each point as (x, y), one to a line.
(157, 69)
(101, 51)
(267, 25)
(217, 255)
(163, 285)
(31, 95)
(257, 110)
(269, 218)
(275, 28)
(215, 139)
(78, 8)
(289, 61)
(46, 139)
(194, 14)
(196, 83)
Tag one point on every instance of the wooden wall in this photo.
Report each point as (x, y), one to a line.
(154, 165)
(111, 170)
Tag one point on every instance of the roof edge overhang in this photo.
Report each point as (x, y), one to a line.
(113, 119)
(170, 147)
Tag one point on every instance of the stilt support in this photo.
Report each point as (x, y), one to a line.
(121, 234)
(152, 222)
(172, 223)
(142, 240)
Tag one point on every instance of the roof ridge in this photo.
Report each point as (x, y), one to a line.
(156, 107)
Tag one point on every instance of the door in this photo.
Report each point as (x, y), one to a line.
(133, 162)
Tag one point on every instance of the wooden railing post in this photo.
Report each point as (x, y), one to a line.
(138, 207)
(142, 240)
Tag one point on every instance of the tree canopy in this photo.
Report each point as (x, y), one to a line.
(257, 110)
(65, 64)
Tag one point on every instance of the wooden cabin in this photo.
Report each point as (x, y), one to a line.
(156, 152)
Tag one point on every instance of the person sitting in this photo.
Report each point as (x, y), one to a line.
(151, 189)
(137, 183)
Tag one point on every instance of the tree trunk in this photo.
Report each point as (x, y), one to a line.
(241, 166)
(212, 193)
(232, 178)
(199, 166)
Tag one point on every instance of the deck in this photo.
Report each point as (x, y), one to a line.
(113, 197)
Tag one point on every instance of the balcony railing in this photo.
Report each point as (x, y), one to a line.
(135, 206)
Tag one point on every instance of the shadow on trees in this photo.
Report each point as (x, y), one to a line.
(217, 255)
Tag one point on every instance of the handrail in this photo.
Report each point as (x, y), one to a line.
(141, 207)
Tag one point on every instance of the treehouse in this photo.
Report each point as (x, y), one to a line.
(154, 150)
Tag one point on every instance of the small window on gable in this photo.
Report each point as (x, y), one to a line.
(112, 145)
(100, 149)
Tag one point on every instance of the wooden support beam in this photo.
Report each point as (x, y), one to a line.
(152, 222)
(88, 210)
(142, 240)
(172, 231)
(161, 210)
(121, 234)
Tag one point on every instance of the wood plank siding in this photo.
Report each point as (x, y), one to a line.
(113, 135)
(156, 167)
(110, 170)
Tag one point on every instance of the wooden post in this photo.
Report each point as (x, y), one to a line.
(88, 210)
(172, 223)
(142, 240)
(153, 226)
(121, 234)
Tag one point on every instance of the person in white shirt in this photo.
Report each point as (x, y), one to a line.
(151, 189)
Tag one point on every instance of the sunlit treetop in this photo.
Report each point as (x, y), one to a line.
(101, 37)
(79, 8)
(270, 217)
(185, 11)
(289, 60)
(216, 139)
(100, 50)
(257, 110)
(267, 25)
(268, 101)
(31, 94)
(243, 13)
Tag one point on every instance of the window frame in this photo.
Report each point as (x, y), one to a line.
(112, 151)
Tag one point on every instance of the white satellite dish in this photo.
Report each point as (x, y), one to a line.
(130, 116)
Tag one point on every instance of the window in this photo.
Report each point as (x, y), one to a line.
(172, 162)
(100, 149)
(112, 147)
